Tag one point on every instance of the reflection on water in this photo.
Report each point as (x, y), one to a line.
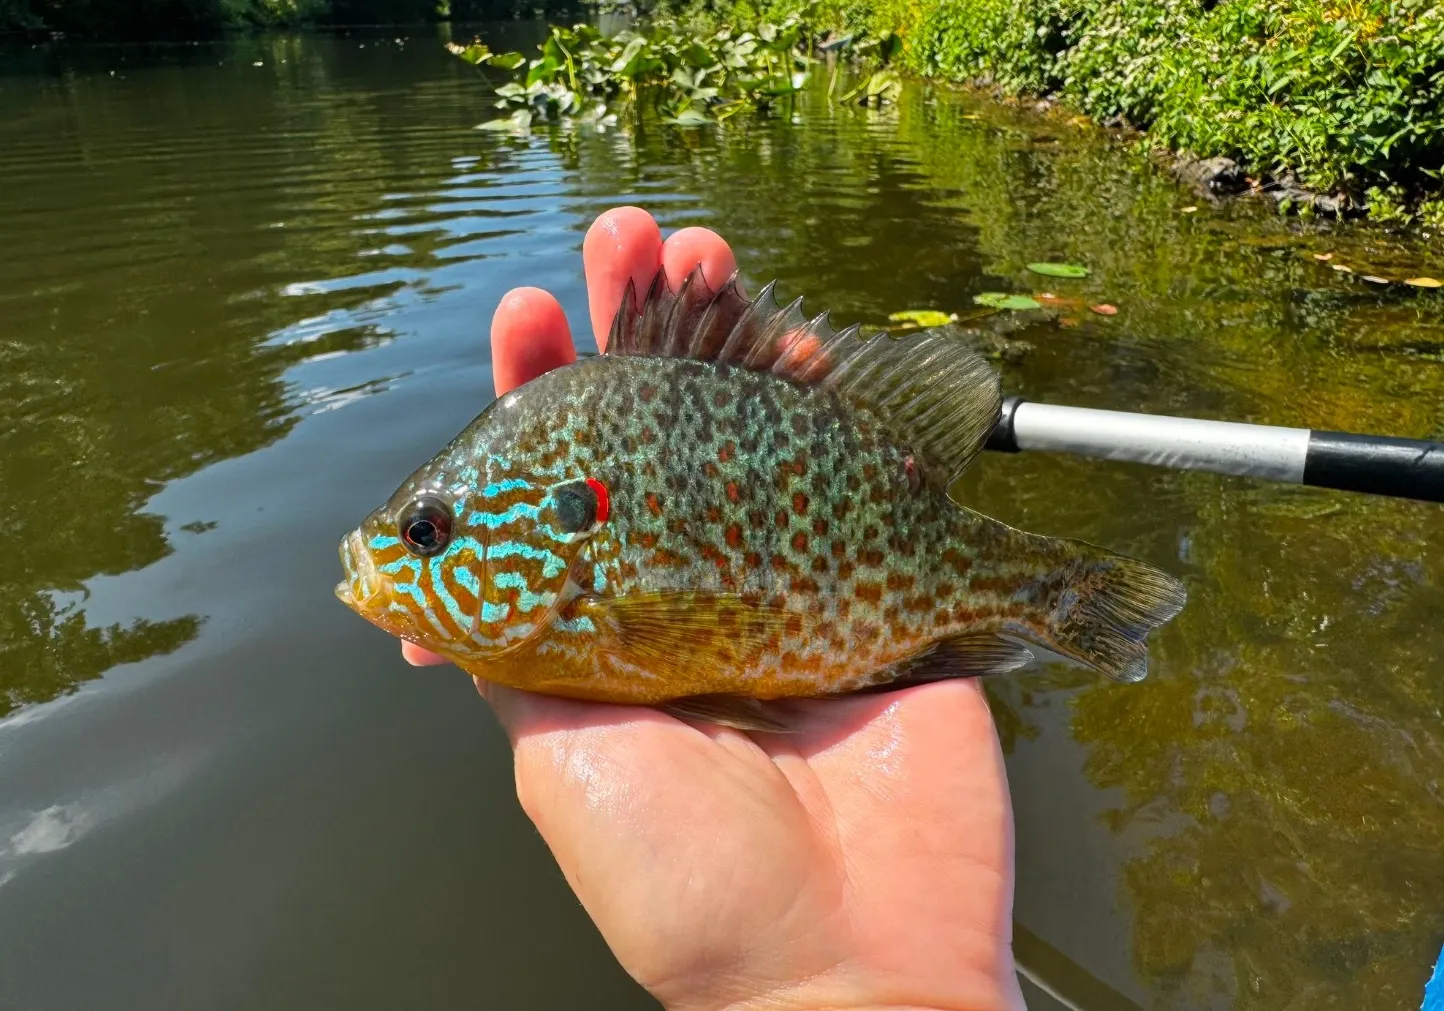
(245, 287)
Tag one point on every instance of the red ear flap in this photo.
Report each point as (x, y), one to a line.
(604, 500)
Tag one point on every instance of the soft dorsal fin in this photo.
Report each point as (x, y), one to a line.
(936, 395)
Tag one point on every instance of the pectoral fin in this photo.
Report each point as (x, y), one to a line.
(676, 635)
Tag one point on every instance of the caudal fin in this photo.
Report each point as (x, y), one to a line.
(1106, 610)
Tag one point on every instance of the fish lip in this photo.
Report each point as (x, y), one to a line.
(362, 583)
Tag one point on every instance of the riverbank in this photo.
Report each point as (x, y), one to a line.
(1338, 105)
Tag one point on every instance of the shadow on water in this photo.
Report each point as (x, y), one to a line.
(243, 289)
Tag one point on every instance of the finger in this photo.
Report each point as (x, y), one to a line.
(529, 336)
(686, 250)
(417, 656)
(526, 715)
(623, 244)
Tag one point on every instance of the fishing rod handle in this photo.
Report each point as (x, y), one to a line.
(1373, 464)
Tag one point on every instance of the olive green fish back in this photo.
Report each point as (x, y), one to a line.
(934, 394)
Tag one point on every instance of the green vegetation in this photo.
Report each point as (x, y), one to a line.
(689, 79)
(1345, 97)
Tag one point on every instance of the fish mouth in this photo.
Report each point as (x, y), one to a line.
(362, 583)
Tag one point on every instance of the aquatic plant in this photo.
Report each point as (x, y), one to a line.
(690, 77)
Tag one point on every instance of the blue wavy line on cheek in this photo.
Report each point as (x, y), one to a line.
(526, 600)
(380, 542)
(503, 486)
(491, 521)
(467, 578)
(411, 565)
(552, 566)
(436, 565)
(492, 613)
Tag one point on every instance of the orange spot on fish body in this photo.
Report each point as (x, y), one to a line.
(799, 541)
(734, 535)
(870, 592)
(799, 503)
(654, 503)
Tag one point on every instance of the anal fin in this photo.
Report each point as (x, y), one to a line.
(963, 656)
(736, 711)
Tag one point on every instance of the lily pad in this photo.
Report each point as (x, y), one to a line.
(1425, 282)
(1058, 269)
(1002, 300)
(1104, 309)
(922, 317)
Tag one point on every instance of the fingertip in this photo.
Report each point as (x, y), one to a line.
(418, 656)
(623, 244)
(529, 336)
(690, 248)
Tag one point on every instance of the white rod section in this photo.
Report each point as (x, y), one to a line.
(1225, 447)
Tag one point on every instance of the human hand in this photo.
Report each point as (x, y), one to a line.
(863, 861)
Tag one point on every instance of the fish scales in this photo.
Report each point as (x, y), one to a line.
(735, 502)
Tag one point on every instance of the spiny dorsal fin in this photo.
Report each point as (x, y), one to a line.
(936, 395)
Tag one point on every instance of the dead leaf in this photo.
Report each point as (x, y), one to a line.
(1104, 309)
(1326, 257)
(1376, 279)
(1059, 301)
(1341, 268)
(1189, 210)
(1068, 321)
(1425, 282)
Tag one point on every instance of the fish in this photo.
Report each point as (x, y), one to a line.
(735, 504)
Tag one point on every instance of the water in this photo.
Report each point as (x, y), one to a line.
(244, 290)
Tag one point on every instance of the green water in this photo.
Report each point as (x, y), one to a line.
(244, 290)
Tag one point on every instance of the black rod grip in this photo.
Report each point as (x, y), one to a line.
(1376, 465)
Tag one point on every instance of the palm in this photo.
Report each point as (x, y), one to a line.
(863, 860)
(719, 863)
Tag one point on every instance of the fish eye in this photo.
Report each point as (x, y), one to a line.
(425, 526)
(579, 504)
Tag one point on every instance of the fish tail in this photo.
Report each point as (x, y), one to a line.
(1101, 606)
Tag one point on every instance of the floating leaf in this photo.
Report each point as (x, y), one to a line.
(690, 117)
(519, 120)
(477, 53)
(1002, 300)
(1104, 309)
(1326, 257)
(922, 317)
(1425, 282)
(1375, 279)
(507, 61)
(1058, 269)
(1341, 268)
(1189, 210)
